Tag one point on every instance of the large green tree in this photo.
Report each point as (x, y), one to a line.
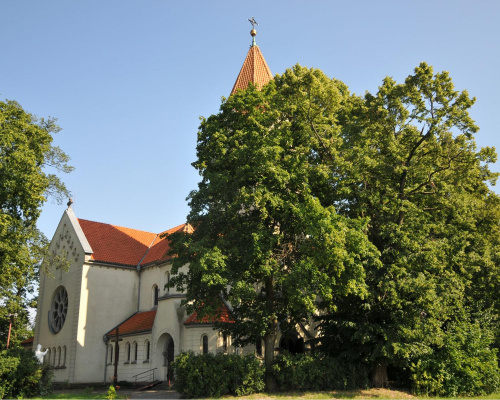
(415, 172)
(267, 238)
(28, 166)
(297, 176)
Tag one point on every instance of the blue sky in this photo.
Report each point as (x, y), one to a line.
(128, 80)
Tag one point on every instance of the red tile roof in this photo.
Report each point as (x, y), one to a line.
(159, 249)
(27, 343)
(254, 70)
(125, 246)
(223, 315)
(138, 322)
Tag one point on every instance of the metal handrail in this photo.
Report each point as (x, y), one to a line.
(151, 372)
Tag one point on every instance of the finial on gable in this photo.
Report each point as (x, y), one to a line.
(70, 201)
(253, 32)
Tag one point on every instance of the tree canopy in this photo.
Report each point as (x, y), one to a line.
(265, 239)
(28, 166)
(372, 214)
(415, 172)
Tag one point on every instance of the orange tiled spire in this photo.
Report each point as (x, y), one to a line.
(254, 68)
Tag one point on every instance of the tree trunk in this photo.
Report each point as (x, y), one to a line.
(269, 341)
(270, 336)
(379, 376)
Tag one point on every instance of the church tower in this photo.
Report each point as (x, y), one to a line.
(254, 68)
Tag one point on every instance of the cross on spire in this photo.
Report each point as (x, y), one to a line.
(254, 69)
(253, 22)
(253, 32)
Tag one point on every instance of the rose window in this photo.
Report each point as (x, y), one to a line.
(59, 310)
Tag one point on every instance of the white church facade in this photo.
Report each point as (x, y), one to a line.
(115, 289)
(116, 280)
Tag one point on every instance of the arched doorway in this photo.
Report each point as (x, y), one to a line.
(292, 343)
(166, 348)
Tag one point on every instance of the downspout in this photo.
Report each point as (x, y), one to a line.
(139, 269)
(105, 338)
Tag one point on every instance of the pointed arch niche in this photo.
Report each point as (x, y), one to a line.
(154, 295)
(165, 348)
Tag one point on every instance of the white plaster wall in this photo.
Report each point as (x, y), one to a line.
(193, 338)
(149, 277)
(128, 368)
(155, 275)
(250, 349)
(193, 341)
(64, 240)
(169, 318)
(108, 297)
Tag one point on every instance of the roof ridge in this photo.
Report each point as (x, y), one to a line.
(147, 251)
(172, 229)
(133, 229)
(116, 226)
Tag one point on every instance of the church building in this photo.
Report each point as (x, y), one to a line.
(114, 292)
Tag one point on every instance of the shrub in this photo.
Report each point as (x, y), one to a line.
(111, 395)
(465, 365)
(209, 375)
(21, 375)
(302, 372)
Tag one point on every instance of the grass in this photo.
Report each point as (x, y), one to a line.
(337, 394)
(341, 394)
(370, 394)
(81, 395)
(88, 393)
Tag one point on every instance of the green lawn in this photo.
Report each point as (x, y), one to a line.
(354, 394)
(89, 393)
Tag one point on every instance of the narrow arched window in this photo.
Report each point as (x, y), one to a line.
(54, 356)
(59, 356)
(258, 347)
(128, 352)
(47, 358)
(155, 295)
(110, 354)
(224, 342)
(147, 348)
(135, 351)
(64, 356)
(204, 342)
(167, 281)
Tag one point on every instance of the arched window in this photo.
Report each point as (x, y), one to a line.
(64, 356)
(155, 295)
(110, 354)
(224, 342)
(258, 347)
(59, 356)
(135, 352)
(167, 281)
(204, 344)
(53, 356)
(147, 348)
(128, 352)
(47, 358)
